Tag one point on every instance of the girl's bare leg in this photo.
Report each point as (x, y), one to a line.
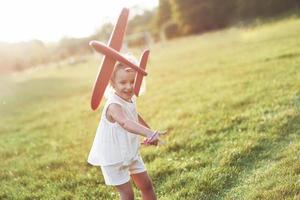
(125, 190)
(143, 182)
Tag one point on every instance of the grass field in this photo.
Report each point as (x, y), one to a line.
(230, 100)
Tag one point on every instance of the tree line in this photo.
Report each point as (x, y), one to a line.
(179, 17)
(22, 55)
(172, 18)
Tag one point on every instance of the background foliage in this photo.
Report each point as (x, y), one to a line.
(172, 18)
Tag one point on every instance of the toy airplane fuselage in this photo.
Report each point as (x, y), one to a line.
(111, 56)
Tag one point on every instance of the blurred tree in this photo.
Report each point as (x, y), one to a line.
(141, 22)
(195, 16)
(164, 13)
(170, 30)
(103, 33)
(141, 29)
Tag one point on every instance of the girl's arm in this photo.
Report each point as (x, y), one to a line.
(116, 112)
(142, 121)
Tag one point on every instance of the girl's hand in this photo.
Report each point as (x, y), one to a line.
(154, 139)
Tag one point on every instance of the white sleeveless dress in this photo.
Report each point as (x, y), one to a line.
(112, 143)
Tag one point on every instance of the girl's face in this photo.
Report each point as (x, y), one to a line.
(123, 82)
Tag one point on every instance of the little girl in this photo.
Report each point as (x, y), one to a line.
(116, 144)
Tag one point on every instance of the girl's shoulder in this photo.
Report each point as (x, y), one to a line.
(113, 98)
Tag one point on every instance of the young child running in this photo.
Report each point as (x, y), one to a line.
(117, 141)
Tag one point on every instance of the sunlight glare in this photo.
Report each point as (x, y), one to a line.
(50, 20)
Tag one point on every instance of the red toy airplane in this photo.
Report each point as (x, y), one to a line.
(111, 56)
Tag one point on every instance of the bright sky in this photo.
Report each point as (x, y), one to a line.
(50, 20)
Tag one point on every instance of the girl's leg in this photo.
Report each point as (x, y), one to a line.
(143, 182)
(125, 191)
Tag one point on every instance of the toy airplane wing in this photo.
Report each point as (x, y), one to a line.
(139, 76)
(116, 56)
(107, 66)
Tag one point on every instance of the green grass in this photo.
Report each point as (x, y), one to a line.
(230, 100)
